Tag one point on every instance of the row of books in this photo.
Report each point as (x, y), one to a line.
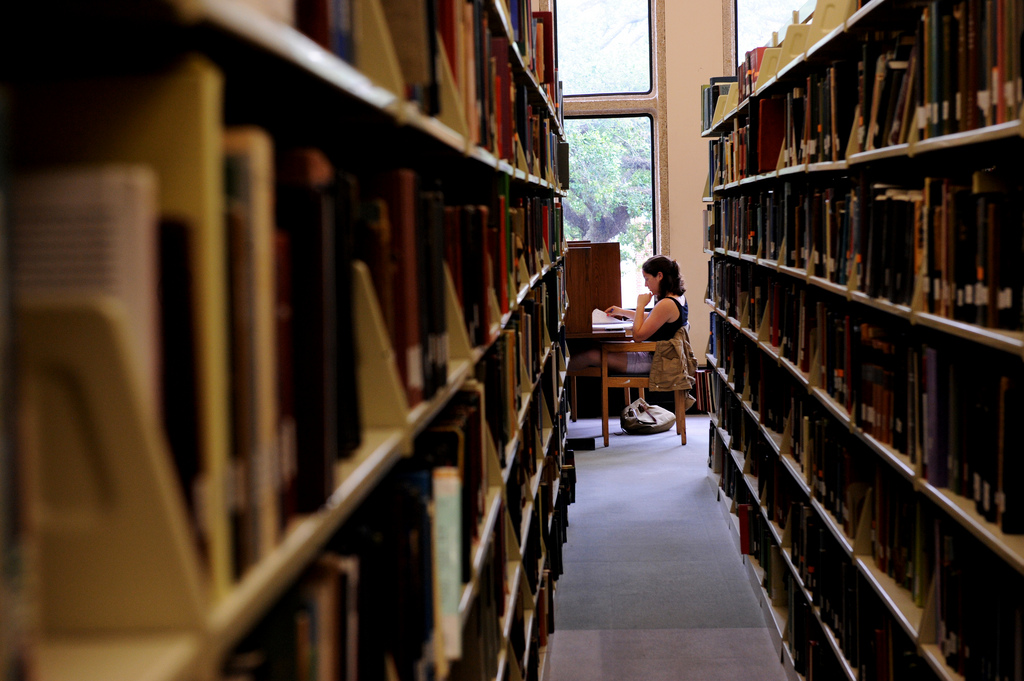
(316, 632)
(909, 542)
(290, 296)
(802, 632)
(292, 225)
(709, 95)
(482, 635)
(386, 597)
(346, 607)
(431, 39)
(964, 238)
(810, 123)
(374, 606)
(420, 31)
(966, 69)
(746, 72)
(488, 248)
(289, 324)
(516, 352)
(909, 394)
(970, 433)
(951, 67)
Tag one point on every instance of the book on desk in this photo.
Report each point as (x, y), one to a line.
(602, 321)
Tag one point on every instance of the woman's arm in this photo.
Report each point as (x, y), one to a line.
(616, 311)
(645, 325)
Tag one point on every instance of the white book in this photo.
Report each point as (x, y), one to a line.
(602, 321)
(93, 230)
(448, 554)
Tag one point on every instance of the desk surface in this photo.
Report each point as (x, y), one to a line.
(596, 334)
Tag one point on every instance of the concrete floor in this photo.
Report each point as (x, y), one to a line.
(654, 586)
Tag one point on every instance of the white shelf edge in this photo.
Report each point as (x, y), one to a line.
(896, 599)
(1009, 547)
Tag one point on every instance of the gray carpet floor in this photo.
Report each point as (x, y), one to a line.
(654, 586)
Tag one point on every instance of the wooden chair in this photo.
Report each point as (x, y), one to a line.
(634, 381)
(594, 372)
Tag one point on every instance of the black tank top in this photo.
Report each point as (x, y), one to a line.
(668, 329)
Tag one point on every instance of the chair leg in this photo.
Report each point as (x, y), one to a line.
(604, 414)
(572, 397)
(626, 390)
(680, 399)
(604, 395)
(643, 395)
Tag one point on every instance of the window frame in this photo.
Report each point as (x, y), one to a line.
(650, 61)
(650, 119)
(653, 104)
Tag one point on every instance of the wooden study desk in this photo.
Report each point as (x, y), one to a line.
(592, 280)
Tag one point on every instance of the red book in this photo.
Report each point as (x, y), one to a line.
(502, 264)
(400, 191)
(503, 96)
(305, 210)
(754, 58)
(547, 50)
(772, 130)
(482, 226)
(453, 246)
(743, 513)
(448, 26)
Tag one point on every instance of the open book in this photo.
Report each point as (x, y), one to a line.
(604, 322)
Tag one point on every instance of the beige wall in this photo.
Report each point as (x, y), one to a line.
(694, 53)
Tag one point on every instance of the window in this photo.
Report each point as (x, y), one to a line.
(611, 194)
(614, 77)
(604, 46)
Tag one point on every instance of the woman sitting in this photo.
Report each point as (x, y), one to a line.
(665, 283)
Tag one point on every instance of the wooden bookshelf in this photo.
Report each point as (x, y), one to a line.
(821, 294)
(200, 605)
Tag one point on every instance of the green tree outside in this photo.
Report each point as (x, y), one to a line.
(610, 181)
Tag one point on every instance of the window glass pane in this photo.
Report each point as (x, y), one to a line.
(610, 195)
(604, 46)
(756, 20)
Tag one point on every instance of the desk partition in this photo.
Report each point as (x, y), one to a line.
(593, 280)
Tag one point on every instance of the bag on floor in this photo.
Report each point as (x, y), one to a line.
(640, 418)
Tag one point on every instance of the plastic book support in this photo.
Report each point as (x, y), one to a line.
(115, 551)
(829, 15)
(769, 66)
(794, 45)
(376, 56)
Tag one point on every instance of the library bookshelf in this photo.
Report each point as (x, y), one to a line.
(865, 237)
(285, 167)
